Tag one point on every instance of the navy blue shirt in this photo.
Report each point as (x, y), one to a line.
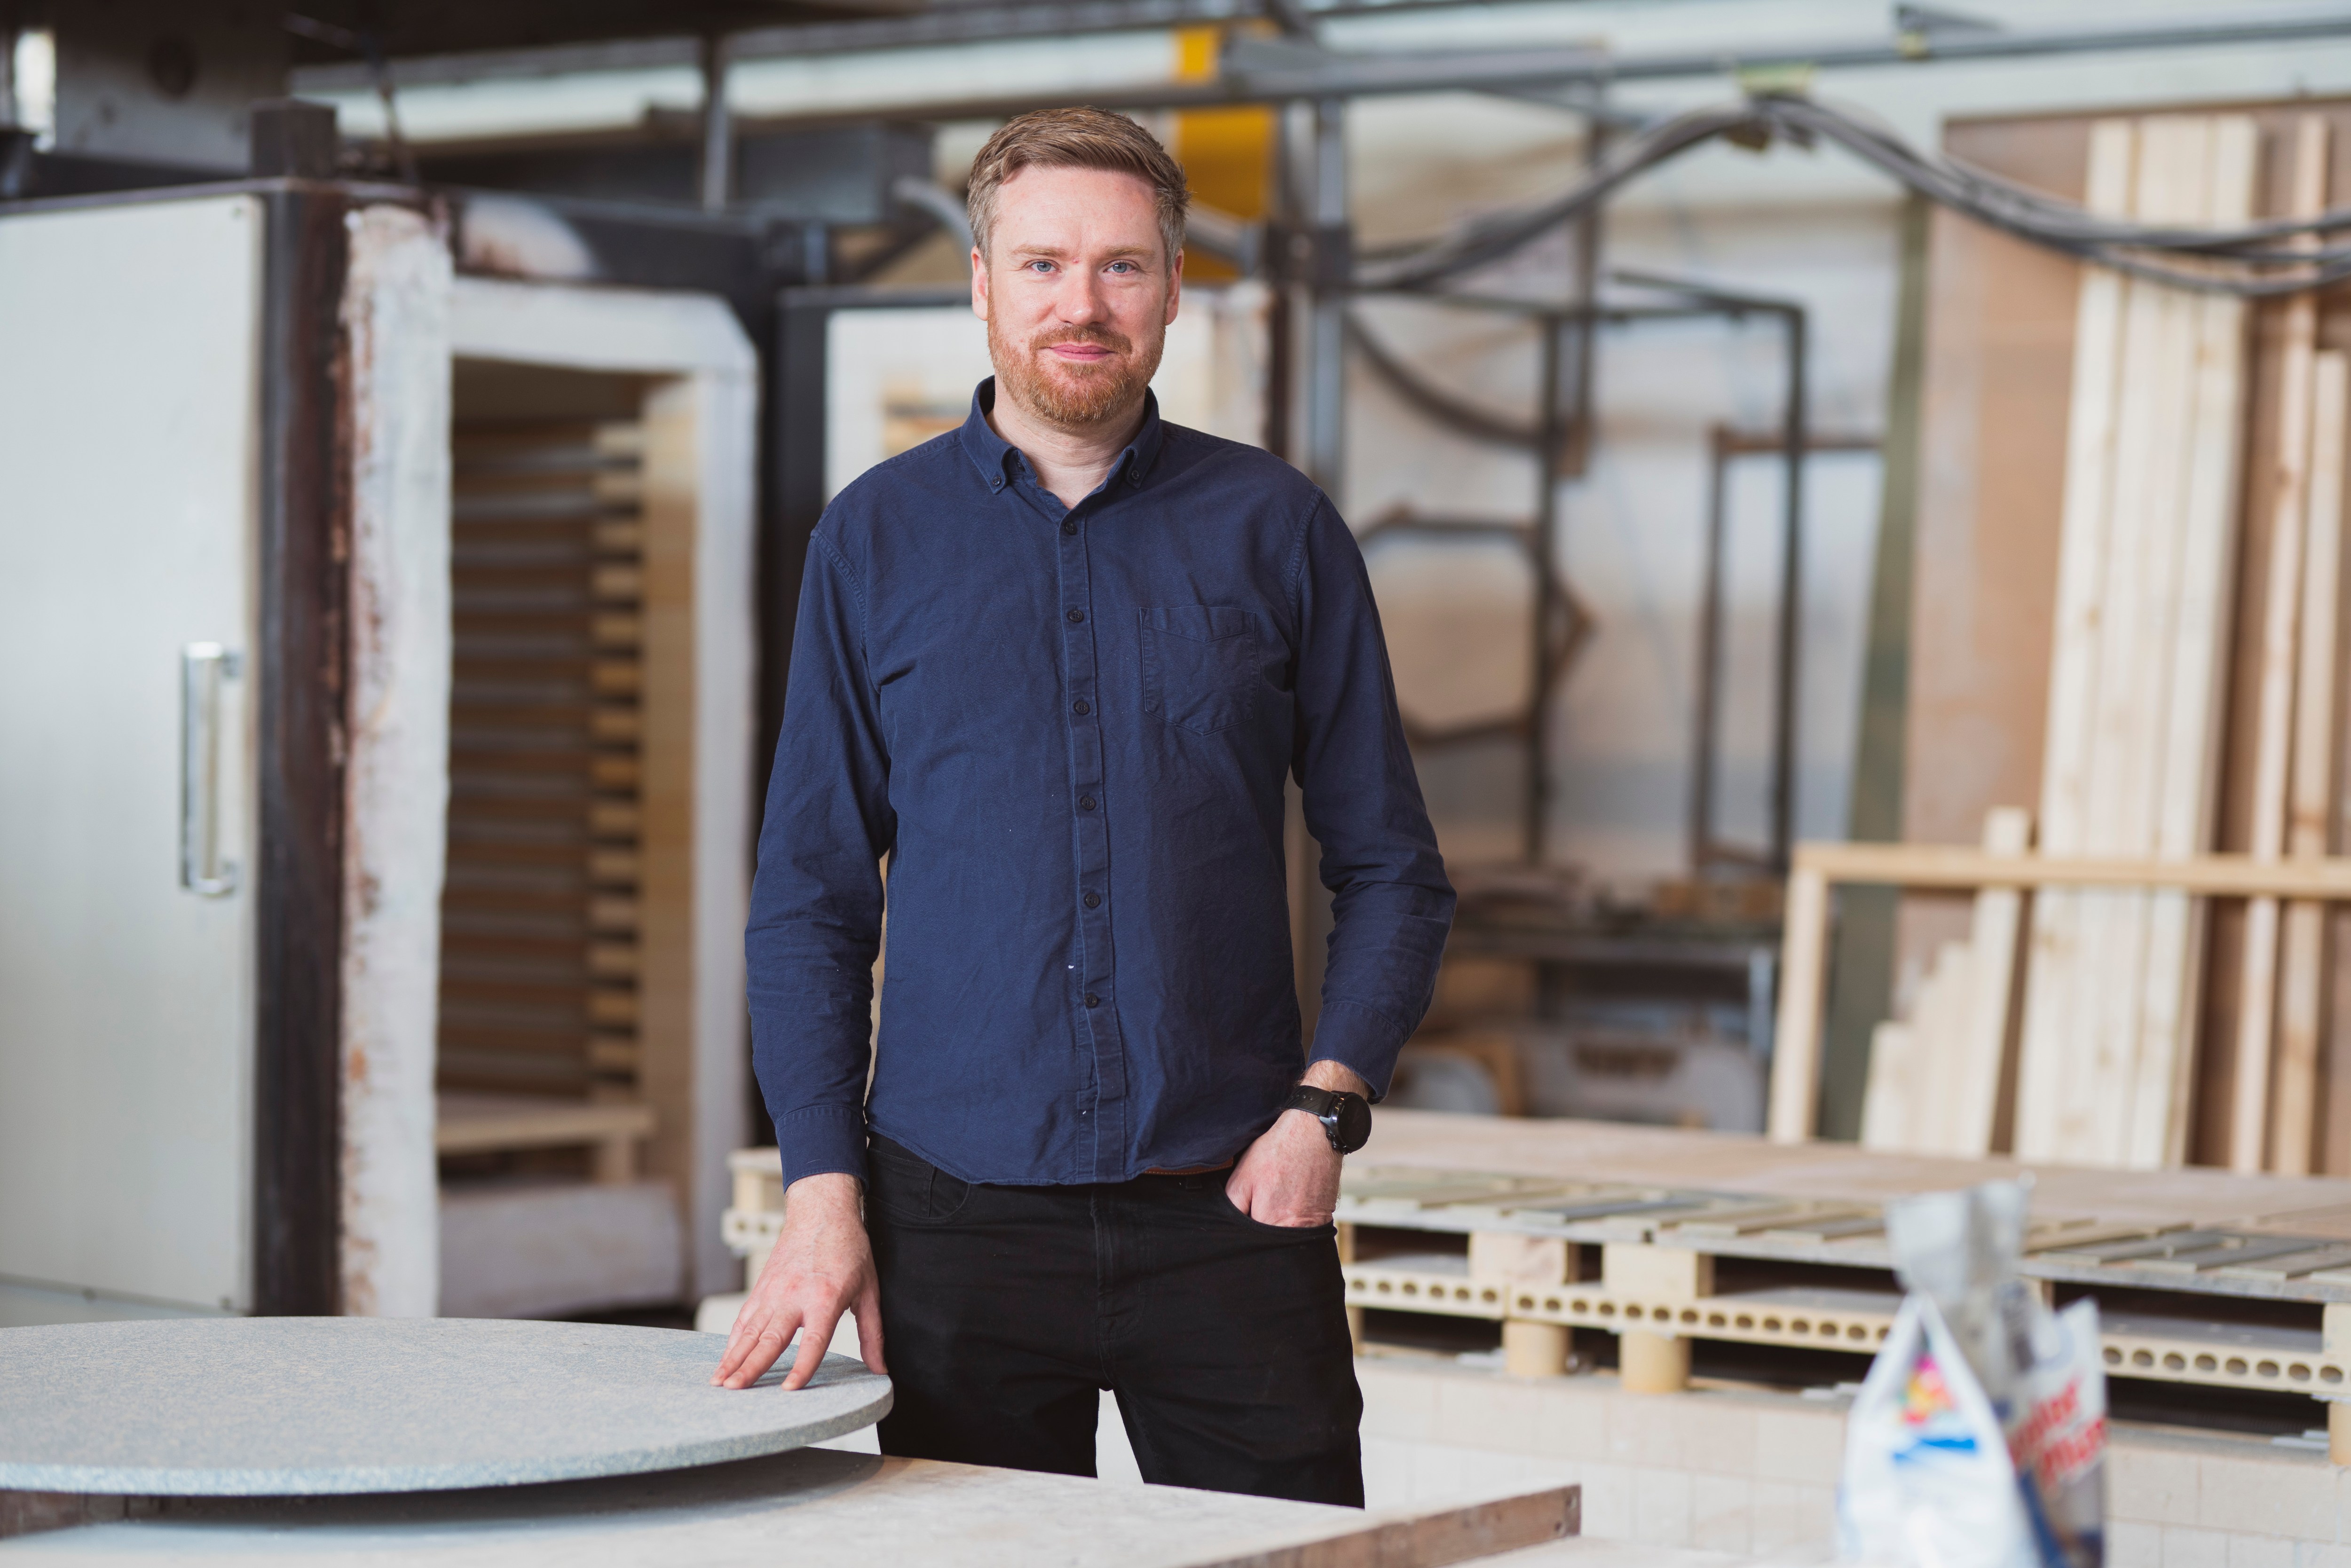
(1068, 729)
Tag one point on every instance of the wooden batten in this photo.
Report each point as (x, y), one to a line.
(2198, 649)
(2311, 803)
(1971, 1092)
(2104, 981)
(2089, 484)
(2274, 722)
(666, 835)
(1794, 1105)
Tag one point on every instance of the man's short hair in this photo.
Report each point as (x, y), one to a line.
(1078, 138)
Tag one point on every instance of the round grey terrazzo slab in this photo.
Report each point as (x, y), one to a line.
(293, 1407)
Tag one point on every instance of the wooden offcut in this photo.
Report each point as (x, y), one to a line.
(1936, 1083)
(1794, 1103)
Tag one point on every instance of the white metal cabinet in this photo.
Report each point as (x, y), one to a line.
(130, 354)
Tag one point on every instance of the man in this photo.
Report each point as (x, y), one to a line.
(1055, 666)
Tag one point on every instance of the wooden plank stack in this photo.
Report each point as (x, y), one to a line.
(2135, 682)
(2139, 699)
(540, 918)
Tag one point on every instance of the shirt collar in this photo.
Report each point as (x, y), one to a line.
(993, 456)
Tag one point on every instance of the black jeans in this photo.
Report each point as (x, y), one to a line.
(1006, 1311)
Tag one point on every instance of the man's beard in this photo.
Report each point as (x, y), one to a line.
(1073, 396)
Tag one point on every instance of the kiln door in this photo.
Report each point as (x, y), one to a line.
(129, 363)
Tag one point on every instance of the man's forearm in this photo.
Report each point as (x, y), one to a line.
(828, 1195)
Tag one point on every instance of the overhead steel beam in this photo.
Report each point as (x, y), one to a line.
(943, 21)
(1515, 72)
(504, 64)
(973, 24)
(1343, 76)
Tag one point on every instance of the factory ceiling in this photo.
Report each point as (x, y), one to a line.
(345, 30)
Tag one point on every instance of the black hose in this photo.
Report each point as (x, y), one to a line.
(1455, 414)
(2253, 260)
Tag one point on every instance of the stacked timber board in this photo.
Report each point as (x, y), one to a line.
(539, 921)
(2129, 766)
(2191, 526)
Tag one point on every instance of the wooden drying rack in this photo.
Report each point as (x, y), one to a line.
(1804, 952)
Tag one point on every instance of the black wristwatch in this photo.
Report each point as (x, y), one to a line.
(1346, 1118)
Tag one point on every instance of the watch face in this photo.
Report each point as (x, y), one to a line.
(1354, 1123)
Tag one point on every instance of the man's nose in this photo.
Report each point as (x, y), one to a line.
(1080, 301)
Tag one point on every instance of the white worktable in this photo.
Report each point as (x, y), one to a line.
(812, 1507)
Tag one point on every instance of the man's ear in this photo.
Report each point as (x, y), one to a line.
(1175, 289)
(979, 284)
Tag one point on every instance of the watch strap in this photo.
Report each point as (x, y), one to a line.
(1315, 1102)
(1329, 1106)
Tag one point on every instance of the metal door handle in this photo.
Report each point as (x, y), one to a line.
(203, 666)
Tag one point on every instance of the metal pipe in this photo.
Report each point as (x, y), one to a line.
(935, 200)
(1710, 659)
(1543, 543)
(1707, 851)
(717, 128)
(1281, 379)
(8, 73)
(1794, 443)
(1326, 374)
(1791, 600)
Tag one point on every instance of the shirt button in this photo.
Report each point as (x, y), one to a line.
(1093, 1001)
(1076, 616)
(1079, 708)
(1069, 527)
(1094, 900)
(1085, 802)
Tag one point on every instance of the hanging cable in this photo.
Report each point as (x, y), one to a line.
(1455, 414)
(2253, 260)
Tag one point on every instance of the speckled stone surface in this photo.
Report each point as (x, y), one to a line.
(813, 1508)
(299, 1407)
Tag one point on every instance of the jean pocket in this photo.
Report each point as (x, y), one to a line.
(908, 1189)
(1199, 666)
(1254, 1223)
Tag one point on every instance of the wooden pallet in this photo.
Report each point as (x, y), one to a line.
(1659, 1248)
(2207, 1278)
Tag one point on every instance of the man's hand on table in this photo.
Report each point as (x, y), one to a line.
(1290, 1174)
(822, 1267)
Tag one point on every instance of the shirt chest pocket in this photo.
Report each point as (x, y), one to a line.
(1199, 666)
